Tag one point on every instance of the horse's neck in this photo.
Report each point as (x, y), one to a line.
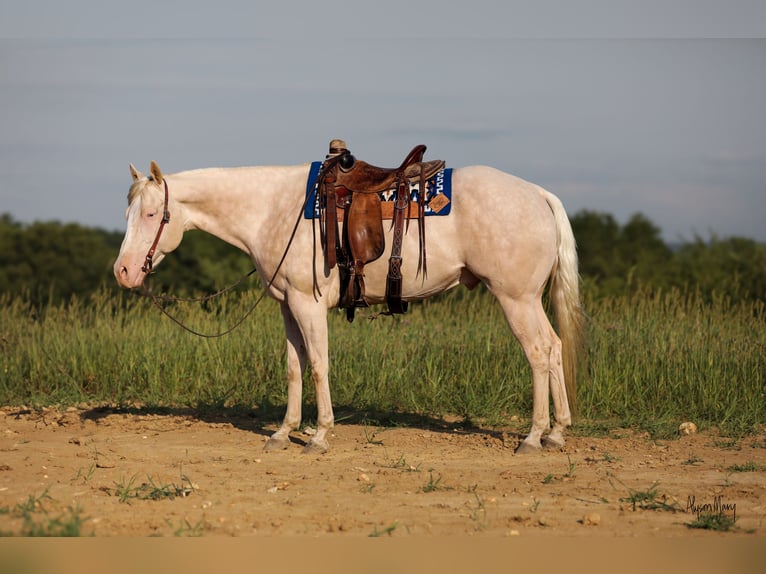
(231, 203)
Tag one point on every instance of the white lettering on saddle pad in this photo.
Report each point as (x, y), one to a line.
(438, 195)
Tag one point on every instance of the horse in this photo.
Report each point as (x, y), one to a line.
(507, 233)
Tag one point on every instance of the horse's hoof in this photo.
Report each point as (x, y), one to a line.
(552, 444)
(276, 443)
(316, 447)
(526, 448)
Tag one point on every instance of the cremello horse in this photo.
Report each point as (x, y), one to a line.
(503, 231)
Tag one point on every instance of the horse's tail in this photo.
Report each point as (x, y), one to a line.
(565, 296)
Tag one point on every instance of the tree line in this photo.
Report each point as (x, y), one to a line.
(50, 262)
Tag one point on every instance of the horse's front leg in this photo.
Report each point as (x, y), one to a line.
(311, 317)
(306, 329)
(296, 364)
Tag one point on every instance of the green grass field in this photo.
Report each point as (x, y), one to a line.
(650, 362)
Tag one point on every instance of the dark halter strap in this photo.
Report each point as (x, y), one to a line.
(147, 268)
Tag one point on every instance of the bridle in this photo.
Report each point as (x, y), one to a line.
(158, 300)
(147, 268)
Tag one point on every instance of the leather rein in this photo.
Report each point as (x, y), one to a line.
(159, 299)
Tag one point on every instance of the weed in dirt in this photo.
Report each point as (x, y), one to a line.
(478, 513)
(402, 464)
(84, 475)
(651, 499)
(189, 530)
(718, 522)
(150, 490)
(568, 475)
(693, 459)
(433, 484)
(37, 520)
(367, 488)
(370, 435)
(32, 503)
(96, 455)
(571, 468)
(389, 530)
(727, 443)
(67, 524)
(749, 466)
(123, 491)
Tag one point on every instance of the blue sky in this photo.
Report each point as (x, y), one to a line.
(620, 107)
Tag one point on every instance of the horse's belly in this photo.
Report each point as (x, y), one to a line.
(443, 265)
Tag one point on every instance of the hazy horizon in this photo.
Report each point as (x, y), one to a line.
(667, 121)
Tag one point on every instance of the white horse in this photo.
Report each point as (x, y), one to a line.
(509, 234)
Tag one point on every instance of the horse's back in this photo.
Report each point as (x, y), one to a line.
(485, 191)
(503, 212)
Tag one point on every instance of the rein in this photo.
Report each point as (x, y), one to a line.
(157, 300)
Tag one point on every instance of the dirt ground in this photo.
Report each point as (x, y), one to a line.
(137, 473)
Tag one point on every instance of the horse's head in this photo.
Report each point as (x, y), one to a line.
(151, 231)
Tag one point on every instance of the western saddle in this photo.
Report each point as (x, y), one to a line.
(349, 192)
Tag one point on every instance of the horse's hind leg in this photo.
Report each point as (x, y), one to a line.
(527, 320)
(562, 417)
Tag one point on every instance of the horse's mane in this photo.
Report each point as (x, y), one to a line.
(135, 190)
(138, 186)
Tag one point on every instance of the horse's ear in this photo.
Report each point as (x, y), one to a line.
(134, 173)
(154, 169)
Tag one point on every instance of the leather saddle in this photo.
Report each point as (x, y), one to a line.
(349, 193)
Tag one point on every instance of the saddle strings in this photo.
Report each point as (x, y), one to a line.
(328, 168)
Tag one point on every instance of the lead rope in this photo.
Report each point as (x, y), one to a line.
(158, 299)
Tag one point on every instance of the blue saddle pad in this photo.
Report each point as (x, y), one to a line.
(438, 194)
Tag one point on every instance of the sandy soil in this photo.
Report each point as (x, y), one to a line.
(430, 479)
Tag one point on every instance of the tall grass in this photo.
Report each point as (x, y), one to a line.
(665, 357)
(650, 362)
(122, 350)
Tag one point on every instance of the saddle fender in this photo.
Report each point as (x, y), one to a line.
(363, 227)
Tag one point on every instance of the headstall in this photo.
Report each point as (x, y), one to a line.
(147, 268)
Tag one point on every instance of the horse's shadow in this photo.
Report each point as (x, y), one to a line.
(264, 420)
